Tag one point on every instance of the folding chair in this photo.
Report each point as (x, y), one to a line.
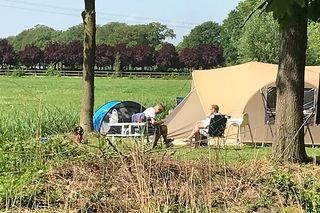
(147, 130)
(215, 130)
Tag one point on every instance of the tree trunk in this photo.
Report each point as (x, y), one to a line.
(289, 140)
(89, 45)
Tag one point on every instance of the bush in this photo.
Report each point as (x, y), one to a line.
(18, 72)
(52, 71)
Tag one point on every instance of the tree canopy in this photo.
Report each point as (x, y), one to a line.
(205, 33)
(259, 40)
(39, 35)
(152, 34)
(167, 57)
(313, 51)
(231, 30)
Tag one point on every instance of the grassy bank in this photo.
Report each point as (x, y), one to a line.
(95, 178)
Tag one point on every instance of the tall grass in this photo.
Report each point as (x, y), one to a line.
(23, 164)
(140, 181)
(20, 125)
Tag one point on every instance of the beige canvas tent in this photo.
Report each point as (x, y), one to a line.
(237, 89)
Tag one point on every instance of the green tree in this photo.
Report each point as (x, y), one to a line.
(151, 34)
(313, 51)
(107, 34)
(74, 33)
(292, 17)
(156, 33)
(259, 40)
(231, 30)
(89, 45)
(39, 36)
(205, 33)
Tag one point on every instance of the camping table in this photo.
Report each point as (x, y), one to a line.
(127, 129)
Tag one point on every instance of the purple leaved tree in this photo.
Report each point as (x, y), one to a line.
(54, 54)
(105, 56)
(8, 56)
(73, 55)
(31, 57)
(126, 58)
(143, 56)
(211, 55)
(167, 57)
(190, 58)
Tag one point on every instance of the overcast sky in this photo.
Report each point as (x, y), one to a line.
(180, 15)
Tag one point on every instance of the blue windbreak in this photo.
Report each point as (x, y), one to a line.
(100, 114)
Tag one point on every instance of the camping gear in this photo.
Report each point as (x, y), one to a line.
(114, 112)
(238, 89)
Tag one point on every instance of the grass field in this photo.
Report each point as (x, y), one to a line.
(52, 104)
(30, 93)
(60, 176)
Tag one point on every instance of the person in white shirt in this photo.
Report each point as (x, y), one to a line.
(161, 129)
(195, 133)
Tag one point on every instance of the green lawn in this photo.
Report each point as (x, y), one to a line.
(51, 105)
(30, 93)
(228, 155)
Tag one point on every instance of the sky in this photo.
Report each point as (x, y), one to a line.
(179, 15)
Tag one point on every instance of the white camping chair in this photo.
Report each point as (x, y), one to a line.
(240, 123)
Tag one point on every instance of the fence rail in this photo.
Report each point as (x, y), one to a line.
(99, 73)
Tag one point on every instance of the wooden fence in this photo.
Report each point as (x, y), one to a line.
(99, 73)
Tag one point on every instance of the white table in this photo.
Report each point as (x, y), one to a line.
(127, 129)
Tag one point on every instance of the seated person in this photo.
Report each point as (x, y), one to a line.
(195, 133)
(161, 129)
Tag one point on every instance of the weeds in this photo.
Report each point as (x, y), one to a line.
(18, 125)
(18, 72)
(53, 71)
(23, 166)
(96, 177)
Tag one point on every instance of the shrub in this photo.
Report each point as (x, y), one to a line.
(52, 71)
(18, 72)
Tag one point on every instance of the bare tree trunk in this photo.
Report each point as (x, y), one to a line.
(289, 141)
(89, 45)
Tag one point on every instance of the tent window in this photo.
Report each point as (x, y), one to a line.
(271, 98)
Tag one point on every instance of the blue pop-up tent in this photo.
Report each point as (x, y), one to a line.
(123, 109)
